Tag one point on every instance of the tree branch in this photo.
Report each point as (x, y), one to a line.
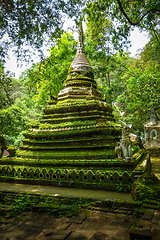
(155, 34)
(137, 22)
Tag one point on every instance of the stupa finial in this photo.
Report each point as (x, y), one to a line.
(80, 63)
(80, 47)
(153, 115)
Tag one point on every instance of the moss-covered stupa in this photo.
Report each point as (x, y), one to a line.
(80, 125)
(74, 143)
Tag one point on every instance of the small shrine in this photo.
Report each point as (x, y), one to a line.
(152, 132)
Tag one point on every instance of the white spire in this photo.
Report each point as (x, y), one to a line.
(80, 62)
(80, 47)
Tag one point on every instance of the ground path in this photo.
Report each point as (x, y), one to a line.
(64, 192)
(155, 161)
(89, 225)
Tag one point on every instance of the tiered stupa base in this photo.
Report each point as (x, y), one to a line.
(73, 149)
(74, 143)
(106, 174)
(78, 130)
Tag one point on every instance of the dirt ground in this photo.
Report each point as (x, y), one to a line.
(88, 225)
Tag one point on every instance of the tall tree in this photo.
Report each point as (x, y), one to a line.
(124, 15)
(142, 81)
(32, 22)
(24, 23)
(45, 79)
(6, 87)
(29, 80)
(108, 66)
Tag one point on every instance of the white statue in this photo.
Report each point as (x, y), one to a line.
(126, 143)
(91, 91)
(124, 146)
(118, 150)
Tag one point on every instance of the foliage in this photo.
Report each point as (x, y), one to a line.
(108, 69)
(101, 28)
(6, 86)
(54, 69)
(147, 187)
(143, 192)
(54, 205)
(141, 89)
(122, 188)
(140, 9)
(31, 23)
(130, 83)
(17, 118)
(28, 81)
(27, 23)
(10, 120)
(14, 140)
(124, 14)
(16, 108)
(45, 79)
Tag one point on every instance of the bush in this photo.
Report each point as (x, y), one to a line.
(145, 188)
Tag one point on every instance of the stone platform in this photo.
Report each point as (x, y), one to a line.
(64, 192)
(88, 224)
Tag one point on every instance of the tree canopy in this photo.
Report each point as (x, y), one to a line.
(142, 88)
(6, 87)
(31, 23)
(113, 20)
(45, 79)
(131, 83)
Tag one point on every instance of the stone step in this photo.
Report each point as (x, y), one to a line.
(73, 147)
(59, 155)
(75, 141)
(82, 113)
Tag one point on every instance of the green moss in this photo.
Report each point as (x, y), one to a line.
(139, 156)
(67, 122)
(79, 121)
(77, 105)
(12, 151)
(78, 75)
(69, 176)
(74, 115)
(66, 154)
(94, 140)
(41, 203)
(80, 82)
(85, 102)
(72, 133)
(82, 113)
(147, 187)
(104, 165)
(70, 147)
(73, 145)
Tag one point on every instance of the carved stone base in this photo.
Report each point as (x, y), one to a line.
(127, 159)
